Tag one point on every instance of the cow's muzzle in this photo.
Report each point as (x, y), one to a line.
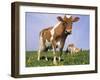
(68, 32)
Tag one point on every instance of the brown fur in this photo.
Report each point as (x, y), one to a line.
(46, 33)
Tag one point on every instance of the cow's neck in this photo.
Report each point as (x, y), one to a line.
(59, 29)
(64, 37)
(57, 25)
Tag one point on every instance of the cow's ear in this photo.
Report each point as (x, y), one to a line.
(76, 19)
(59, 18)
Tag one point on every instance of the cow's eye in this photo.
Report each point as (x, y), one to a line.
(65, 23)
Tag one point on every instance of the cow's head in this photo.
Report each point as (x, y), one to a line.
(67, 22)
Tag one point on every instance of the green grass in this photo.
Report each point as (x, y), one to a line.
(80, 58)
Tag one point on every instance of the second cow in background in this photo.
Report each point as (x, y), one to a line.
(72, 49)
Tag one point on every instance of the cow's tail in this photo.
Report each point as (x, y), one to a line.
(41, 40)
(40, 45)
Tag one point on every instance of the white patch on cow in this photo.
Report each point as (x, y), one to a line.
(47, 43)
(52, 31)
(51, 38)
(58, 43)
(68, 16)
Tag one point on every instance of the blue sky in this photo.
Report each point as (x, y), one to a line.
(35, 22)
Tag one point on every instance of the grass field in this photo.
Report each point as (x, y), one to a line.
(66, 59)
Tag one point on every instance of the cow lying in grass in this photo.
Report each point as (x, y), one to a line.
(72, 49)
(54, 37)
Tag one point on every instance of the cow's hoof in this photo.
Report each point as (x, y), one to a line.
(46, 59)
(38, 59)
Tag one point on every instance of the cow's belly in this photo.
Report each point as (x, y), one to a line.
(49, 44)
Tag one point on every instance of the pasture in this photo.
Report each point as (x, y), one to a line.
(80, 58)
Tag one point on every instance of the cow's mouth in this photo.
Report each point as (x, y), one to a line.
(67, 33)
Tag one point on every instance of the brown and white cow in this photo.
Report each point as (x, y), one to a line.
(72, 49)
(54, 37)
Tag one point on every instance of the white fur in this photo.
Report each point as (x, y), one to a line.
(68, 16)
(58, 43)
(47, 43)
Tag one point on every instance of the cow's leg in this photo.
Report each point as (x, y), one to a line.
(42, 49)
(39, 51)
(54, 58)
(46, 58)
(46, 55)
(61, 48)
(71, 52)
(54, 51)
(60, 53)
